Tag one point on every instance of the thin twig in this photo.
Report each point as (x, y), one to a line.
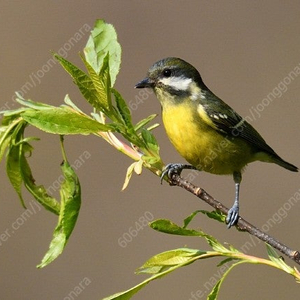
(242, 224)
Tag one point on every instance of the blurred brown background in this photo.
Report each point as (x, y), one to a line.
(244, 51)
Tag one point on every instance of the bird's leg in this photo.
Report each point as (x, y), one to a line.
(233, 213)
(172, 169)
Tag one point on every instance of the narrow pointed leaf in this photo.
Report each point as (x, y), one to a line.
(169, 227)
(5, 140)
(8, 133)
(126, 295)
(215, 291)
(150, 141)
(13, 169)
(216, 215)
(123, 110)
(152, 127)
(84, 83)
(215, 244)
(278, 260)
(63, 120)
(187, 220)
(168, 259)
(225, 261)
(70, 103)
(13, 112)
(128, 175)
(101, 85)
(70, 205)
(71, 197)
(144, 122)
(38, 192)
(32, 104)
(213, 295)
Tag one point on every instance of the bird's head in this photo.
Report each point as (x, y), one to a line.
(173, 79)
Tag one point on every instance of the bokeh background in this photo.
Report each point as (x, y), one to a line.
(244, 51)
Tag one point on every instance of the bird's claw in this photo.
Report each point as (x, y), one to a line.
(170, 170)
(232, 216)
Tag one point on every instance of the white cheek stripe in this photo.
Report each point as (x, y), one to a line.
(178, 83)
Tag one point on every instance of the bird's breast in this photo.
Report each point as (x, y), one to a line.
(200, 144)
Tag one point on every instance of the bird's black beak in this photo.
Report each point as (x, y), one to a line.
(145, 83)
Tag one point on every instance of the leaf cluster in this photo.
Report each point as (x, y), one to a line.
(110, 118)
(167, 262)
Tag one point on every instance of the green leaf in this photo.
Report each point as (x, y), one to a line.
(70, 205)
(18, 170)
(103, 40)
(152, 126)
(70, 198)
(150, 141)
(144, 122)
(70, 103)
(169, 227)
(225, 261)
(151, 157)
(151, 160)
(215, 291)
(187, 220)
(105, 83)
(168, 259)
(38, 192)
(32, 104)
(126, 295)
(13, 169)
(216, 215)
(123, 110)
(13, 112)
(213, 242)
(278, 260)
(101, 86)
(5, 140)
(9, 132)
(83, 81)
(216, 245)
(63, 120)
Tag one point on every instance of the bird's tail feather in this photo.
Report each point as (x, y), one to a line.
(279, 161)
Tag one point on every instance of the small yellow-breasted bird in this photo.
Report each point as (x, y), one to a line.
(207, 132)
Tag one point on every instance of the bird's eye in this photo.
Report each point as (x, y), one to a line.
(167, 72)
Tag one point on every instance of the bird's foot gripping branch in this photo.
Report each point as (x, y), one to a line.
(110, 119)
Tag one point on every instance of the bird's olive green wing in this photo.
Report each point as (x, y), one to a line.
(227, 121)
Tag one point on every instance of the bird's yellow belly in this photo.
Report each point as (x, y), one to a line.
(201, 145)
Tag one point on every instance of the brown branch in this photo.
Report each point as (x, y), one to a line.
(242, 224)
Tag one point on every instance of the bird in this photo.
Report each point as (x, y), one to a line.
(204, 130)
